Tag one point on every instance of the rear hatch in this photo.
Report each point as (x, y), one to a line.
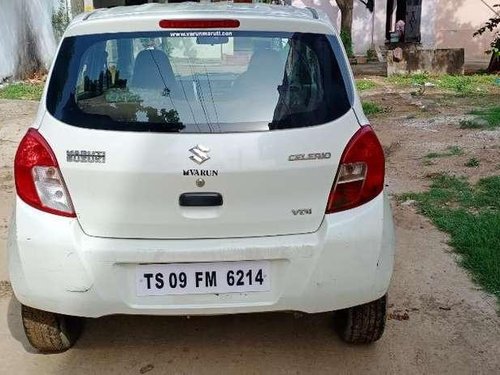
(163, 136)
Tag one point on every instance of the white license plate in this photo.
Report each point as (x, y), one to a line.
(203, 278)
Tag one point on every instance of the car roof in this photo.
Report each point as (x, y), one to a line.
(252, 16)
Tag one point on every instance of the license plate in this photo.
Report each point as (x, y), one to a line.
(203, 278)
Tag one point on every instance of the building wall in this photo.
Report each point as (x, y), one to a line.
(428, 23)
(367, 27)
(445, 24)
(457, 20)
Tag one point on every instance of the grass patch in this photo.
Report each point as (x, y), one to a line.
(471, 216)
(472, 163)
(22, 91)
(371, 108)
(365, 84)
(408, 79)
(491, 116)
(459, 84)
(450, 151)
(470, 124)
(486, 118)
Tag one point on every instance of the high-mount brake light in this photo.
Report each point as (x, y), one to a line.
(360, 177)
(200, 24)
(39, 182)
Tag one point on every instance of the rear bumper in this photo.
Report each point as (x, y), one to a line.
(54, 266)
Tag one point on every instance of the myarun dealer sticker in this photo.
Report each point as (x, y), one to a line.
(215, 33)
(203, 278)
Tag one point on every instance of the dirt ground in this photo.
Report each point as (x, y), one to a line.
(440, 321)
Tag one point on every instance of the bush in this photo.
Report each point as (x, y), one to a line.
(461, 85)
(472, 163)
(365, 84)
(370, 108)
(347, 41)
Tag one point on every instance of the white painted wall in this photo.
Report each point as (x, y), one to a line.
(14, 16)
(366, 26)
(88, 5)
(456, 22)
(444, 24)
(428, 23)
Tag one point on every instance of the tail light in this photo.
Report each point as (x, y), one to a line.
(39, 182)
(360, 177)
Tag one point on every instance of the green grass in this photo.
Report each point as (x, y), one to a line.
(471, 216)
(408, 80)
(490, 116)
(486, 118)
(459, 84)
(472, 163)
(371, 108)
(365, 84)
(450, 151)
(470, 124)
(22, 91)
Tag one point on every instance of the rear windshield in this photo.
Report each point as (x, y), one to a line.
(198, 82)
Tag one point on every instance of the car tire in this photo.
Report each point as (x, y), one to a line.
(363, 324)
(49, 332)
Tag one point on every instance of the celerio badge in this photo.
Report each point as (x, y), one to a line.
(311, 156)
(200, 154)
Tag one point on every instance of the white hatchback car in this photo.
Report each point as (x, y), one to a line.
(200, 159)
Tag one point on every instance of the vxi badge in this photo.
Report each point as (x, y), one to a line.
(312, 156)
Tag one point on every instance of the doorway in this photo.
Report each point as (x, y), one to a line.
(410, 12)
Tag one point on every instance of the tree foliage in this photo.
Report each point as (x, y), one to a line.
(60, 19)
(492, 25)
(76, 7)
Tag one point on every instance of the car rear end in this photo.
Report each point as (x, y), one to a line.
(205, 163)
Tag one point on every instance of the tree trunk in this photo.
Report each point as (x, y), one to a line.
(76, 7)
(346, 10)
(495, 60)
(494, 66)
(29, 61)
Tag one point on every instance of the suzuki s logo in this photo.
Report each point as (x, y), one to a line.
(200, 154)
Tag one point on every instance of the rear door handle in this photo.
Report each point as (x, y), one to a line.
(200, 200)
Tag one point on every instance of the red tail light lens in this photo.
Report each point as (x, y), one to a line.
(200, 24)
(360, 177)
(39, 182)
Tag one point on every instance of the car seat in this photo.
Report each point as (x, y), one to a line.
(264, 73)
(152, 70)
